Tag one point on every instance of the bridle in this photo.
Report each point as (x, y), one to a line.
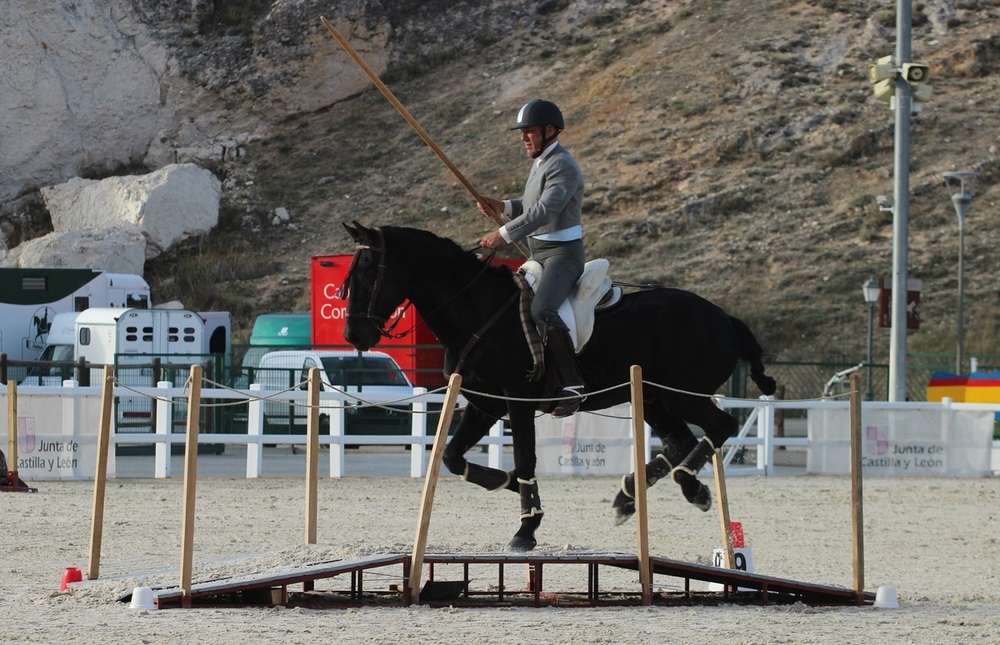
(345, 290)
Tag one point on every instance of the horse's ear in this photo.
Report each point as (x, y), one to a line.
(353, 232)
(365, 235)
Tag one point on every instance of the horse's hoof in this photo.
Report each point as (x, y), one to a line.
(704, 501)
(701, 497)
(623, 507)
(694, 491)
(521, 544)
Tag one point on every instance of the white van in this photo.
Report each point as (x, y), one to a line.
(357, 373)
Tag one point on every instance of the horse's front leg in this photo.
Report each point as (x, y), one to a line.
(522, 421)
(474, 425)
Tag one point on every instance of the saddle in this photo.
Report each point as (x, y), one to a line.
(593, 292)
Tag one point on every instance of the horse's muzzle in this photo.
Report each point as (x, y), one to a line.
(362, 334)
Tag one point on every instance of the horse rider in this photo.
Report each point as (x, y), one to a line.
(548, 216)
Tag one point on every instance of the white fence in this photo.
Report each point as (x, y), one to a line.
(57, 429)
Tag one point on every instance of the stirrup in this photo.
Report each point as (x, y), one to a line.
(569, 407)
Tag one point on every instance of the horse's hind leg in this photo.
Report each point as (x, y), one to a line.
(677, 443)
(718, 427)
(624, 504)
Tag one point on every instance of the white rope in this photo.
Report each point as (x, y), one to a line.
(246, 397)
(387, 405)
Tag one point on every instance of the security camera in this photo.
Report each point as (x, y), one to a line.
(915, 73)
(883, 202)
(922, 93)
(885, 89)
(882, 70)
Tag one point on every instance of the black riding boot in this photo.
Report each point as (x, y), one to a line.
(561, 357)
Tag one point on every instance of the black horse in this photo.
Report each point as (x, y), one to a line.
(686, 346)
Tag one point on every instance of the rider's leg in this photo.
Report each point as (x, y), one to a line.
(563, 264)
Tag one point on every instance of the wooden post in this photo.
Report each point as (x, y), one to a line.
(101, 475)
(190, 484)
(312, 454)
(642, 518)
(430, 484)
(11, 432)
(857, 490)
(720, 490)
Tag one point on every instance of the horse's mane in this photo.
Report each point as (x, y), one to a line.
(428, 244)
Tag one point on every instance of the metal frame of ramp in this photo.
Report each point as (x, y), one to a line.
(493, 589)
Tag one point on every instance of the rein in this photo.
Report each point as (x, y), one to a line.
(476, 337)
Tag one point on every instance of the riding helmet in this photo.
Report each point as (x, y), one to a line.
(539, 112)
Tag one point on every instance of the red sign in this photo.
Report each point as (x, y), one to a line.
(912, 304)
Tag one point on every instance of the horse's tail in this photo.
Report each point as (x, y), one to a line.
(751, 352)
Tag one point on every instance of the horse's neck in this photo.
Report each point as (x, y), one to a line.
(456, 307)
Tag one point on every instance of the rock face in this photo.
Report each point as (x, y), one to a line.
(80, 88)
(118, 223)
(166, 206)
(93, 85)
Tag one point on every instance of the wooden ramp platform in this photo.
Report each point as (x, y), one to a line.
(484, 579)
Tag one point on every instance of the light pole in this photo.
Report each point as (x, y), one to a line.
(871, 291)
(960, 185)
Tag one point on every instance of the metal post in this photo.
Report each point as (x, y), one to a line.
(960, 185)
(870, 393)
(960, 330)
(901, 210)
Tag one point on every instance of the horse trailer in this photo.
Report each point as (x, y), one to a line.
(30, 299)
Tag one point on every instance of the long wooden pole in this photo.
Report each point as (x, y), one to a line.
(312, 455)
(720, 489)
(497, 219)
(11, 431)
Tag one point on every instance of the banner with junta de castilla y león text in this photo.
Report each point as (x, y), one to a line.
(586, 443)
(57, 437)
(921, 442)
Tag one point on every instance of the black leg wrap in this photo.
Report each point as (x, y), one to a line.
(624, 504)
(686, 474)
(492, 479)
(696, 459)
(531, 516)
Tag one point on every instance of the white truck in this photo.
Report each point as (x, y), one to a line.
(364, 376)
(30, 299)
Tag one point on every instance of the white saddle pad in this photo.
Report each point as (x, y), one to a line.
(578, 310)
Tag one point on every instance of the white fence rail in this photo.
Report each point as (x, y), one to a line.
(78, 423)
